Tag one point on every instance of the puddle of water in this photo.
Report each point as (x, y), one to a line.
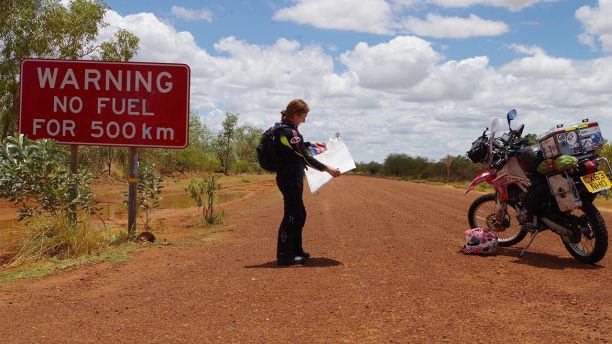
(111, 211)
(9, 229)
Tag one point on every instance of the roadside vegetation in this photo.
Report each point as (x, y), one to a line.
(450, 169)
(202, 192)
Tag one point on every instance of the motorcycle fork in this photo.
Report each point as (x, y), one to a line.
(501, 211)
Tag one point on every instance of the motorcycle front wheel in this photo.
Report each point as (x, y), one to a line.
(593, 242)
(482, 214)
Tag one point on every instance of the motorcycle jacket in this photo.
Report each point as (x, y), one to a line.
(293, 152)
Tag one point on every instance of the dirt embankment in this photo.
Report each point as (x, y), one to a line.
(386, 267)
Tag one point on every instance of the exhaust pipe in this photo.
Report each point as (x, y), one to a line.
(557, 228)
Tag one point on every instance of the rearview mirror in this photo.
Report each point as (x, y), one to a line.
(511, 116)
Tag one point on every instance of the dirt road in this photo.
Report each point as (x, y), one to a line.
(386, 268)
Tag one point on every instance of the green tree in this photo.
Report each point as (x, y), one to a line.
(463, 168)
(123, 48)
(246, 139)
(198, 156)
(531, 138)
(451, 168)
(606, 152)
(402, 165)
(47, 29)
(226, 141)
(370, 168)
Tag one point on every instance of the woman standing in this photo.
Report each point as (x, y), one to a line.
(294, 157)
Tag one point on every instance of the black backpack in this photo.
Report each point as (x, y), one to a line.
(478, 152)
(266, 150)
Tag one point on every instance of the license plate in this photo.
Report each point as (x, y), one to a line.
(596, 182)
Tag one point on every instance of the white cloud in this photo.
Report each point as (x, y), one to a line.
(526, 50)
(597, 24)
(595, 80)
(400, 96)
(159, 41)
(192, 14)
(406, 3)
(382, 17)
(538, 65)
(283, 63)
(402, 62)
(459, 80)
(454, 27)
(513, 5)
(372, 16)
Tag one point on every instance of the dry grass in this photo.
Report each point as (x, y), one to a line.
(47, 237)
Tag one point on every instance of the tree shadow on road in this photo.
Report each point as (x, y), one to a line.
(314, 262)
(544, 260)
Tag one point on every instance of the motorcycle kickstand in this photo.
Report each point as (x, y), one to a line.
(533, 236)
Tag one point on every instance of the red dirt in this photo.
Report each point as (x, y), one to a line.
(386, 267)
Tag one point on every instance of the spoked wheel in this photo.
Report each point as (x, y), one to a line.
(482, 214)
(592, 244)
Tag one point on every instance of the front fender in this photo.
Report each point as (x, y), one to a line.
(484, 176)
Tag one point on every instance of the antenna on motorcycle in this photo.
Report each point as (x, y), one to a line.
(510, 116)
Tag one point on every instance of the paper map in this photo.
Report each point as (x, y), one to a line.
(336, 156)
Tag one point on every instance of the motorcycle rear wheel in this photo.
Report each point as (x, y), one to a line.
(593, 242)
(482, 213)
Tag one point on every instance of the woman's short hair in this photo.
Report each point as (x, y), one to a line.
(296, 106)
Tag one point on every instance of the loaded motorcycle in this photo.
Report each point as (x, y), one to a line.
(550, 185)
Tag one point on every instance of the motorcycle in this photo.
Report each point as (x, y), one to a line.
(546, 186)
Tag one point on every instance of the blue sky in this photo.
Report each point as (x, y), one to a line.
(421, 77)
(551, 25)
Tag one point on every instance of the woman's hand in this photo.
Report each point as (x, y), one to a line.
(333, 171)
(319, 147)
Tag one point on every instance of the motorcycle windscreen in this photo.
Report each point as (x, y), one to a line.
(495, 126)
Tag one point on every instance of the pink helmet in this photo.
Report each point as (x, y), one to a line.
(480, 241)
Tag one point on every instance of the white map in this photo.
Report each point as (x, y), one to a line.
(337, 156)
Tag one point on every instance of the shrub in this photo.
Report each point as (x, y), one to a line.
(36, 176)
(202, 192)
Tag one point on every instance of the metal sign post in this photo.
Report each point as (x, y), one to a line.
(74, 169)
(133, 183)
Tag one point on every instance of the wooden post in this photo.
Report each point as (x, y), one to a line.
(133, 181)
(74, 168)
(448, 161)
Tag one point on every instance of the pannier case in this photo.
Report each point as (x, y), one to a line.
(577, 140)
(562, 187)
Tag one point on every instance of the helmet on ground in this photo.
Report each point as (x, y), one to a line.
(480, 241)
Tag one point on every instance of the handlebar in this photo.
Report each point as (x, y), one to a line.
(516, 133)
(503, 148)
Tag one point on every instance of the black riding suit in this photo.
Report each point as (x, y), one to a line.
(294, 157)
